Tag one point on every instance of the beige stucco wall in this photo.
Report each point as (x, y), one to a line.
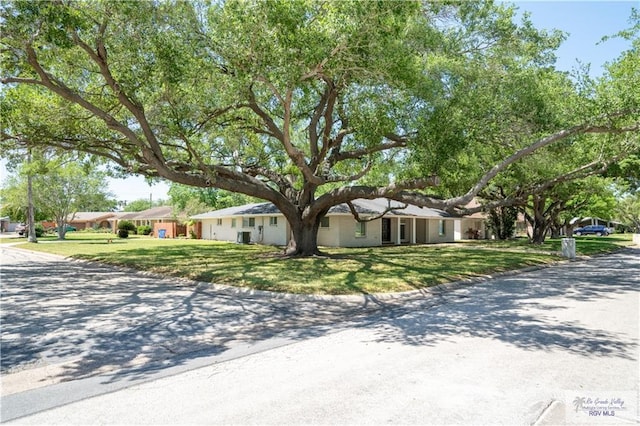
(347, 232)
(330, 237)
(340, 233)
(433, 231)
(224, 232)
(273, 234)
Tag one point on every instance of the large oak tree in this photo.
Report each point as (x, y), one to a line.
(307, 104)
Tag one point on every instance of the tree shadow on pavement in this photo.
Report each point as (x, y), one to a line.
(526, 310)
(92, 319)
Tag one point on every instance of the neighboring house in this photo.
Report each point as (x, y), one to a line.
(6, 225)
(90, 220)
(158, 218)
(264, 224)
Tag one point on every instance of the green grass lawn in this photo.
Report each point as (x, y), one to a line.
(585, 245)
(342, 271)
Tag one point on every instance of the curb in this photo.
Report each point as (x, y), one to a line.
(381, 299)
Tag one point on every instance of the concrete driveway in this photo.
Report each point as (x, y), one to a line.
(516, 350)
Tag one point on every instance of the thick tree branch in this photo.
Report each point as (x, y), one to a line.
(392, 191)
(337, 156)
(265, 117)
(563, 134)
(313, 123)
(283, 135)
(353, 177)
(520, 198)
(100, 58)
(31, 81)
(357, 217)
(59, 88)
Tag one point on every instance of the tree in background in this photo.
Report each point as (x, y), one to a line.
(556, 209)
(60, 189)
(142, 204)
(502, 221)
(14, 200)
(193, 200)
(308, 104)
(628, 210)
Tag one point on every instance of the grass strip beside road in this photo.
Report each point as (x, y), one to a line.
(585, 245)
(343, 271)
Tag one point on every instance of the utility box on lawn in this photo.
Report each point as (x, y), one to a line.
(569, 248)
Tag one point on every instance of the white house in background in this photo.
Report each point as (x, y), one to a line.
(263, 223)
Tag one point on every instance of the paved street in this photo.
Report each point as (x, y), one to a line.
(86, 344)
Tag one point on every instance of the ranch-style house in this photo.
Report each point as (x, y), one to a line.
(262, 223)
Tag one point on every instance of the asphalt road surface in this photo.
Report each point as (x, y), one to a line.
(88, 344)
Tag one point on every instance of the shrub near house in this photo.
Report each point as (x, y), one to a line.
(124, 227)
(144, 230)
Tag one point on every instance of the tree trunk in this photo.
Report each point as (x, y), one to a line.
(568, 230)
(502, 221)
(539, 232)
(539, 223)
(31, 216)
(304, 238)
(62, 228)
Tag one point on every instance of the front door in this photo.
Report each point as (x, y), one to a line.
(386, 230)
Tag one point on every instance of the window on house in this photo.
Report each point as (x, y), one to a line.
(442, 228)
(248, 222)
(324, 222)
(219, 222)
(233, 223)
(273, 221)
(361, 229)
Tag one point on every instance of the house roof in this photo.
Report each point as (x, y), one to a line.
(364, 207)
(126, 215)
(379, 205)
(90, 216)
(155, 213)
(255, 209)
(583, 219)
(162, 212)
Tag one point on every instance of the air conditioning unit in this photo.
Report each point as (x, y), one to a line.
(244, 237)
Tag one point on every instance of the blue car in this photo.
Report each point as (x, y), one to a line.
(599, 230)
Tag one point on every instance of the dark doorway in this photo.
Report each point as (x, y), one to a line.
(386, 230)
